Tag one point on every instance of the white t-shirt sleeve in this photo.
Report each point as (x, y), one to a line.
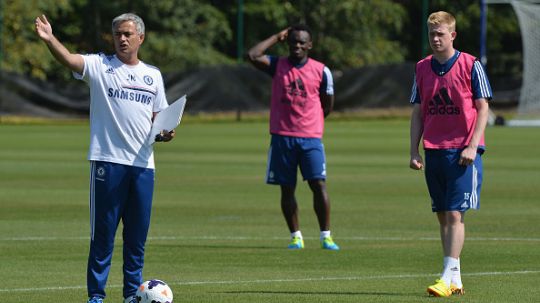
(90, 67)
(329, 90)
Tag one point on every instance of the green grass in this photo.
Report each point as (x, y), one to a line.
(217, 234)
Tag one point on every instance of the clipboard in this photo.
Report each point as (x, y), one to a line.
(168, 119)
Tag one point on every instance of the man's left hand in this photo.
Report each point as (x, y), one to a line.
(165, 136)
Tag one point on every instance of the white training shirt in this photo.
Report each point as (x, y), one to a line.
(122, 101)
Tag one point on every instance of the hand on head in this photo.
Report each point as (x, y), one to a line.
(282, 36)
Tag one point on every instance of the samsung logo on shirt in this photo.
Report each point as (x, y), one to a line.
(129, 95)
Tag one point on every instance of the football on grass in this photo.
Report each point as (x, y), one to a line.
(154, 291)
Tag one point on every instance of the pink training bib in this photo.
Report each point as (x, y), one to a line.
(295, 108)
(448, 109)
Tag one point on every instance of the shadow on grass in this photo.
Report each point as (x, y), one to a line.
(221, 247)
(329, 293)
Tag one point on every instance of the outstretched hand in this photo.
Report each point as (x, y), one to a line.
(43, 28)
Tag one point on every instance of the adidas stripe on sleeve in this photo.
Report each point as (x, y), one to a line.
(480, 82)
(327, 83)
(415, 95)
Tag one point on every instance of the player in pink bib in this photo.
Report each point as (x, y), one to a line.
(450, 94)
(302, 96)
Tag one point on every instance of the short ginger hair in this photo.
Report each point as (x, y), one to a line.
(442, 17)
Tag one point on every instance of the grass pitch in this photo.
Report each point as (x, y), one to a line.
(217, 234)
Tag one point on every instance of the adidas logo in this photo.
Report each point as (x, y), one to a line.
(297, 88)
(442, 104)
(110, 70)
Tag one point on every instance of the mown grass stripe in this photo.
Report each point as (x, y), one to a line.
(232, 282)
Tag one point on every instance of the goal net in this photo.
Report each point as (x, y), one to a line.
(528, 113)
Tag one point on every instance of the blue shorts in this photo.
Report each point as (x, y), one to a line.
(287, 153)
(453, 187)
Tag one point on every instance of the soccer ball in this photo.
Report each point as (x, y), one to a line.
(154, 291)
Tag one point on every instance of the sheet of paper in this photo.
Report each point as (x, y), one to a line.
(167, 119)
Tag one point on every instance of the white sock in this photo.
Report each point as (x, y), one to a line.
(324, 234)
(445, 262)
(450, 264)
(296, 234)
(456, 275)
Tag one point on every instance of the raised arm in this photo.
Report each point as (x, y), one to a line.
(256, 55)
(74, 62)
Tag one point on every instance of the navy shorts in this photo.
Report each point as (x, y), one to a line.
(453, 187)
(286, 154)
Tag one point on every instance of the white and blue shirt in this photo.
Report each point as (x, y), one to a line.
(123, 99)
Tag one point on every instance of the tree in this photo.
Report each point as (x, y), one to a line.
(347, 33)
(185, 34)
(180, 34)
(503, 41)
(23, 52)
